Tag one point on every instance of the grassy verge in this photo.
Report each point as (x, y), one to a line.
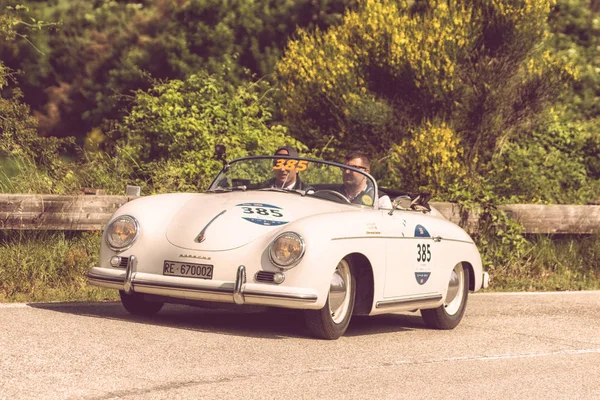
(551, 263)
(51, 266)
(40, 266)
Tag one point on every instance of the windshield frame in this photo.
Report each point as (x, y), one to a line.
(313, 160)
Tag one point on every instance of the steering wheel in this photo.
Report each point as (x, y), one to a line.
(324, 193)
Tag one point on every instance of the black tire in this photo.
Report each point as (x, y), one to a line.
(324, 323)
(449, 314)
(136, 305)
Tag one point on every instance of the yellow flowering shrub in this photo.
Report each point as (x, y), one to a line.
(430, 157)
(327, 76)
(374, 81)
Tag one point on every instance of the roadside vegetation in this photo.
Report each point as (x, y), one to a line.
(43, 266)
(479, 102)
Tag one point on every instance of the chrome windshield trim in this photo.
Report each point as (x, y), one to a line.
(375, 205)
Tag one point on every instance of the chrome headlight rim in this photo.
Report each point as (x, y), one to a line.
(294, 262)
(131, 242)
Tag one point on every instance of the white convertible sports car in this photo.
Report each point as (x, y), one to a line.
(250, 241)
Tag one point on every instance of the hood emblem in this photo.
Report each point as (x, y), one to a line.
(202, 235)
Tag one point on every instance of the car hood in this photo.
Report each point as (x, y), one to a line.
(224, 221)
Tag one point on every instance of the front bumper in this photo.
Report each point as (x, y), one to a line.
(238, 291)
(485, 281)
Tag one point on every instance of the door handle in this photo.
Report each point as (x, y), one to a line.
(437, 238)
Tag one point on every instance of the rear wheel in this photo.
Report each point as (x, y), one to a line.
(449, 314)
(333, 319)
(137, 305)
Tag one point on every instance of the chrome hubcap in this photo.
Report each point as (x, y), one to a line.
(456, 288)
(339, 289)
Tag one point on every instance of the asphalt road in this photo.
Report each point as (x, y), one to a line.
(508, 346)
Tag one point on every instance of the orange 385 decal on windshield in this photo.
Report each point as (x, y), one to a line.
(289, 165)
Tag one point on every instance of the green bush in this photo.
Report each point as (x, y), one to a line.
(46, 266)
(102, 51)
(552, 263)
(168, 139)
(547, 166)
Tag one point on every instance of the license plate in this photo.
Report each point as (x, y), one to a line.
(174, 268)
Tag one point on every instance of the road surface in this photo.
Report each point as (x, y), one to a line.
(508, 346)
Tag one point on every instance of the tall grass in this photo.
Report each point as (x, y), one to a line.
(552, 263)
(51, 266)
(48, 266)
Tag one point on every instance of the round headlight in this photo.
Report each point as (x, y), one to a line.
(286, 250)
(121, 232)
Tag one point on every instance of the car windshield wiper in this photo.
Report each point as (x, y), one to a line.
(231, 189)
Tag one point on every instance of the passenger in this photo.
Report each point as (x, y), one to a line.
(357, 188)
(284, 178)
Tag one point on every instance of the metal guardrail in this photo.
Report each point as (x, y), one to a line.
(92, 212)
(58, 212)
(535, 218)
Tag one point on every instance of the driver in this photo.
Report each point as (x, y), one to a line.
(286, 179)
(357, 188)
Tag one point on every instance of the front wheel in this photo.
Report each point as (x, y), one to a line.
(333, 319)
(449, 314)
(137, 305)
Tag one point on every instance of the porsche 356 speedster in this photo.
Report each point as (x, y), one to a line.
(249, 241)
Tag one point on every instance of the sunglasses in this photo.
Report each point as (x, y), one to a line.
(358, 167)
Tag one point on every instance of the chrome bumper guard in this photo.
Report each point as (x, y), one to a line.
(131, 265)
(238, 288)
(486, 280)
(238, 292)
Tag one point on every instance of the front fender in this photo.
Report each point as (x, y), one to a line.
(325, 248)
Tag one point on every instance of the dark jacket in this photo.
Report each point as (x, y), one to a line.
(298, 185)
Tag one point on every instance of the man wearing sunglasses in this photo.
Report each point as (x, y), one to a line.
(357, 187)
(284, 178)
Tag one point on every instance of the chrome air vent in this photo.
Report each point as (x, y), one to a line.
(264, 276)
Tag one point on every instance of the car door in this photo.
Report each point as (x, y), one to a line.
(411, 254)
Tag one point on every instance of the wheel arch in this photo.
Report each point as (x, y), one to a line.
(365, 287)
(468, 265)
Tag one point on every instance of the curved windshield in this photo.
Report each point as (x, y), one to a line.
(303, 176)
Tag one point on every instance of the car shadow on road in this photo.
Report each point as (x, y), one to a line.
(249, 321)
(388, 323)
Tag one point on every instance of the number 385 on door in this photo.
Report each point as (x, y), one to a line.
(423, 252)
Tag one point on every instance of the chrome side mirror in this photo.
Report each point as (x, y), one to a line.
(400, 203)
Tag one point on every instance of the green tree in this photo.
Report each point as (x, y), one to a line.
(103, 50)
(29, 163)
(170, 134)
(576, 28)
